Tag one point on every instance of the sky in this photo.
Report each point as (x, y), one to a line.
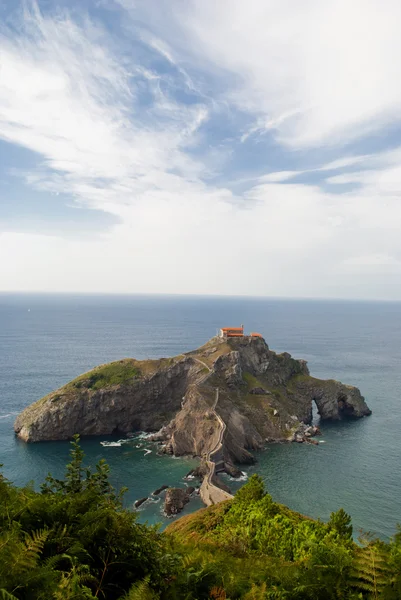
(201, 147)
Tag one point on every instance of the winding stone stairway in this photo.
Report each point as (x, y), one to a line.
(209, 491)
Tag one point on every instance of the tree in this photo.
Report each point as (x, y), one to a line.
(340, 521)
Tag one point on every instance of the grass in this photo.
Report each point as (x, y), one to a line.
(251, 381)
(221, 347)
(115, 373)
(279, 394)
(309, 379)
(200, 522)
(193, 527)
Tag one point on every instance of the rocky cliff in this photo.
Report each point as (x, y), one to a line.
(262, 396)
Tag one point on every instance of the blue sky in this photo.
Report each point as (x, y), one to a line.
(201, 147)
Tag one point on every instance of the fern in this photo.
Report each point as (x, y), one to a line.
(256, 592)
(4, 595)
(30, 551)
(371, 572)
(72, 584)
(142, 591)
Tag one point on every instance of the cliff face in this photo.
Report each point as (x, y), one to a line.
(261, 396)
(144, 396)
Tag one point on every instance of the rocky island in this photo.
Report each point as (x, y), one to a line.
(218, 402)
(263, 396)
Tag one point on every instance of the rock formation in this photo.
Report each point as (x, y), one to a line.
(160, 489)
(263, 396)
(175, 500)
(141, 501)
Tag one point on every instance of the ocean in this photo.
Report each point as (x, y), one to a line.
(46, 340)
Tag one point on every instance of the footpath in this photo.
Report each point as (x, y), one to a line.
(209, 491)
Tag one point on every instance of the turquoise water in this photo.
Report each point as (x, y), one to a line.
(47, 340)
(134, 463)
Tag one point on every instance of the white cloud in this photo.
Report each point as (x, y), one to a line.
(346, 161)
(278, 176)
(67, 94)
(368, 161)
(66, 97)
(316, 71)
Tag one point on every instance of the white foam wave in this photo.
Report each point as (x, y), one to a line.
(243, 477)
(117, 443)
(144, 436)
(138, 446)
(147, 451)
(189, 477)
(111, 444)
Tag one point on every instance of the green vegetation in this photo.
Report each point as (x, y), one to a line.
(115, 373)
(311, 380)
(73, 540)
(251, 381)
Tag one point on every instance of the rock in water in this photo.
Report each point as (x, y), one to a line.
(160, 489)
(197, 473)
(232, 470)
(334, 400)
(173, 397)
(138, 503)
(175, 500)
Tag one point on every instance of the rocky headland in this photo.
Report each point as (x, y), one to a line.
(219, 402)
(263, 396)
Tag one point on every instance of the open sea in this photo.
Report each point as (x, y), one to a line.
(46, 340)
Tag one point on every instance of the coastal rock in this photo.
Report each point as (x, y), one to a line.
(231, 470)
(197, 473)
(177, 400)
(139, 502)
(334, 400)
(160, 489)
(175, 500)
(228, 366)
(304, 433)
(120, 397)
(312, 430)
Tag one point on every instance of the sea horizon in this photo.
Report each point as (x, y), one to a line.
(197, 295)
